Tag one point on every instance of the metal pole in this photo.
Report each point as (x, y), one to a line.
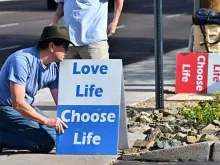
(196, 5)
(158, 49)
(191, 37)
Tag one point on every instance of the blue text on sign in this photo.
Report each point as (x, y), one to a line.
(93, 69)
(87, 138)
(73, 116)
(88, 91)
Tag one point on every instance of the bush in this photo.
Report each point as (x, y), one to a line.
(204, 112)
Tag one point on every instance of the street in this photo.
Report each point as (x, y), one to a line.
(167, 163)
(21, 23)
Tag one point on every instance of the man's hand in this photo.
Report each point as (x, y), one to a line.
(53, 23)
(111, 28)
(56, 123)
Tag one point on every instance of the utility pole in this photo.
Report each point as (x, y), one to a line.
(212, 4)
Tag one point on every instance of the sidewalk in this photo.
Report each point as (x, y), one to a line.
(139, 81)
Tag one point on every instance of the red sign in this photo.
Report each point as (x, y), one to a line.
(191, 72)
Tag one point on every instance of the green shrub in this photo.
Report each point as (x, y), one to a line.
(204, 112)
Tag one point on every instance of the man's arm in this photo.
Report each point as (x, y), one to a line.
(59, 14)
(117, 12)
(19, 104)
(54, 93)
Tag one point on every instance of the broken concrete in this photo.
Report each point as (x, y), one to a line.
(194, 152)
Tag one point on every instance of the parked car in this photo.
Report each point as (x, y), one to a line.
(52, 5)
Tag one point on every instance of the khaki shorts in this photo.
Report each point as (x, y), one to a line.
(97, 50)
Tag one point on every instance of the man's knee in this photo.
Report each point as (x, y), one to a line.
(45, 146)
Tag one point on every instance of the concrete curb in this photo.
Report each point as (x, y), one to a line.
(216, 152)
(194, 152)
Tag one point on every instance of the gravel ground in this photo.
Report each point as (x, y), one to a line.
(150, 104)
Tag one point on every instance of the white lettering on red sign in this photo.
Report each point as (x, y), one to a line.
(216, 73)
(185, 72)
(200, 70)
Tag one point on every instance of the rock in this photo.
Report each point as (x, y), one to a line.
(217, 129)
(200, 126)
(140, 143)
(180, 136)
(156, 134)
(131, 112)
(209, 138)
(169, 118)
(173, 111)
(140, 129)
(209, 129)
(167, 144)
(182, 122)
(184, 144)
(150, 145)
(185, 130)
(165, 128)
(136, 118)
(216, 122)
(148, 131)
(137, 124)
(156, 112)
(217, 133)
(130, 124)
(167, 136)
(199, 137)
(145, 128)
(153, 125)
(145, 114)
(130, 150)
(191, 139)
(180, 117)
(193, 132)
(145, 119)
(158, 116)
(181, 129)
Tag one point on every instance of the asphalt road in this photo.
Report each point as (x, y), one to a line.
(21, 23)
(167, 163)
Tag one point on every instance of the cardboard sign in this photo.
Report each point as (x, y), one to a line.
(89, 103)
(213, 73)
(197, 73)
(191, 72)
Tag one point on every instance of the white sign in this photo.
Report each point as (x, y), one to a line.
(89, 103)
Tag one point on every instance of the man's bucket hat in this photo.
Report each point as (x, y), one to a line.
(55, 32)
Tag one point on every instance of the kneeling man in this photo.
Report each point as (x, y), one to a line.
(22, 125)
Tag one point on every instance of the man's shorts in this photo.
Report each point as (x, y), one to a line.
(97, 50)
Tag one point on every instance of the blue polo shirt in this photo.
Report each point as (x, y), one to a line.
(86, 20)
(24, 67)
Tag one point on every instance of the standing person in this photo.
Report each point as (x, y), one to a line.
(22, 125)
(87, 23)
